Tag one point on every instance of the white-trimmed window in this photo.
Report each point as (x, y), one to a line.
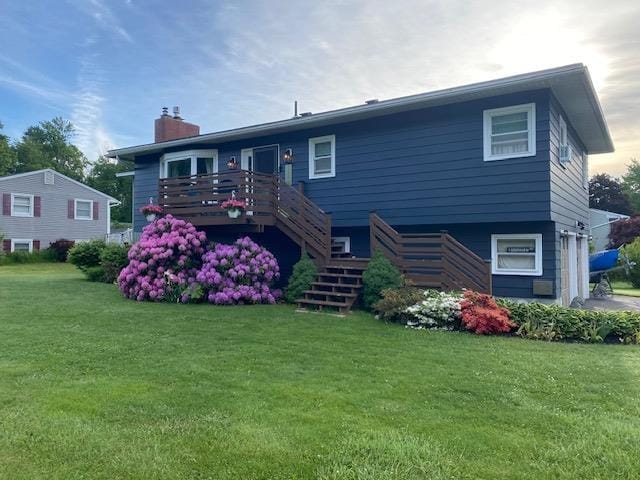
(510, 132)
(188, 163)
(344, 243)
(21, 245)
(21, 205)
(562, 132)
(83, 209)
(516, 254)
(322, 157)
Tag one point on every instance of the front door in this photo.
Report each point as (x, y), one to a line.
(261, 159)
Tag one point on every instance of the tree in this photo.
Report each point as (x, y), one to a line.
(624, 232)
(48, 145)
(7, 155)
(103, 178)
(606, 193)
(631, 184)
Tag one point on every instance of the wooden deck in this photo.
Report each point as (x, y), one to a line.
(430, 260)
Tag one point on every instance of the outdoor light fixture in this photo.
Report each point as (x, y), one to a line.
(232, 164)
(287, 156)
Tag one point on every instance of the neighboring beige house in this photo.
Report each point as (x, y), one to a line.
(43, 206)
(600, 222)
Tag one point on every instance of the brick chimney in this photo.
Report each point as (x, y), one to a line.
(172, 128)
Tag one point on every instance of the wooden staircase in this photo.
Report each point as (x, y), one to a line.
(336, 287)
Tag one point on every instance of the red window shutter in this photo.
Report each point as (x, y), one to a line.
(36, 245)
(96, 210)
(6, 204)
(70, 209)
(6, 246)
(37, 206)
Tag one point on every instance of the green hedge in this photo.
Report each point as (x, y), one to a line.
(554, 322)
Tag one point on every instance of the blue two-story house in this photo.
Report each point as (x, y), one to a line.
(482, 186)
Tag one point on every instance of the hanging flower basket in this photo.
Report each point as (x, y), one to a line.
(233, 207)
(151, 211)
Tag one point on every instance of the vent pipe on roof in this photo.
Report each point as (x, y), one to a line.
(371, 101)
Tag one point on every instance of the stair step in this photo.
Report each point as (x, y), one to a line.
(337, 266)
(337, 285)
(331, 294)
(340, 275)
(325, 303)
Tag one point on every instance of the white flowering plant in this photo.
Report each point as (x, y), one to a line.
(437, 310)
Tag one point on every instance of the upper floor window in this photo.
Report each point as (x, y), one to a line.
(510, 132)
(83, 209)
(322, 157)
(188, 163)
(21, 205)
(516, 254)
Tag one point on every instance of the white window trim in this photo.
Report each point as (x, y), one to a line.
(516, 236)
(183, 155)
(31, 206)
(75, 209)
(22, 240)
(312, 143)
(530, 108)
(562, 125)
(346, 241)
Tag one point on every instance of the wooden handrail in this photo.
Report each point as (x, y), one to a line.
(435, 260)
(269, 201)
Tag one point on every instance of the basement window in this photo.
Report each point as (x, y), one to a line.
(516, 254)
(510, 132)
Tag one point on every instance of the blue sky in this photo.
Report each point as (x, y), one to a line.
(109, 66)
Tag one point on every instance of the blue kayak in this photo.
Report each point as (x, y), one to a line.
(604, 260)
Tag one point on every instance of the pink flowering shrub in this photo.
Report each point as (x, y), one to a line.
(240, 273)
(165, 261)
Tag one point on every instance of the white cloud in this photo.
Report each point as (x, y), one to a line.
(333, 54)
(87, 112)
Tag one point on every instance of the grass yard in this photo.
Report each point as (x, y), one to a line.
(625, 288)
(93, 386)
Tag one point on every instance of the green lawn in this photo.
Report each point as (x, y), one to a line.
(625, 288)
(93, 386)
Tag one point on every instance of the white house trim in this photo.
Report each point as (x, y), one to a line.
(530, 109)
(495, 270)
(188, 154)
(22, 240)
(312, 155)
(31, 205)
(75, 209)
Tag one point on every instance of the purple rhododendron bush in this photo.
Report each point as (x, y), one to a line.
(166, 258)
(240, 273)
(171, 263)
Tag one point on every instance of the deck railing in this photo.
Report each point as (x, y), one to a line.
(269, 201)
(432, 260)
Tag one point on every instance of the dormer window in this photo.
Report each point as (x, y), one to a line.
(188, 163)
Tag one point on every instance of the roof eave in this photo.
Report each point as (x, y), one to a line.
(412, 102)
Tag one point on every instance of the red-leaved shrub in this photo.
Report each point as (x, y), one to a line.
(482, 315)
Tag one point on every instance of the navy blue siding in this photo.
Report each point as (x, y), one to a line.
(569, 201)
(424, 170)
(424, 166)
(477, 238)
